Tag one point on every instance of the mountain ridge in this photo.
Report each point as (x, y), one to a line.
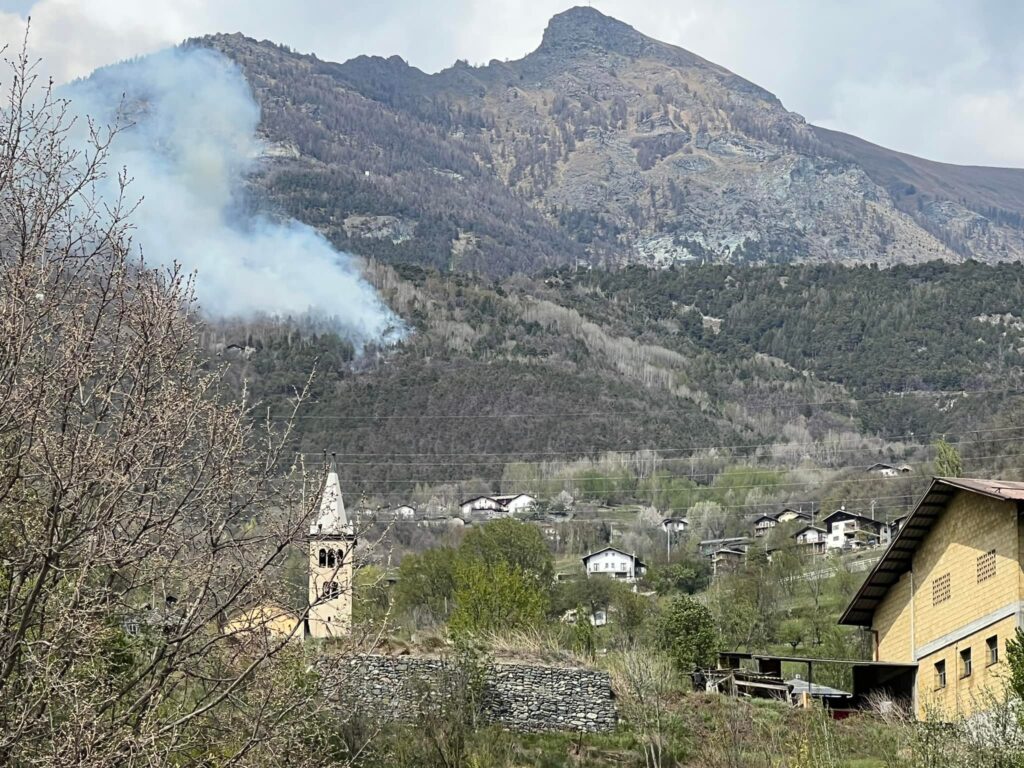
(607, 147)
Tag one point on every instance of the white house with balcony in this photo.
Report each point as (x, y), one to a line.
(848, 530)
(615, 564)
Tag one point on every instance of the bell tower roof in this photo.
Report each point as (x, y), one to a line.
(331, 519)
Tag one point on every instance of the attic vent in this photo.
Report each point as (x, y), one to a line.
(940, 589)
(986, 566)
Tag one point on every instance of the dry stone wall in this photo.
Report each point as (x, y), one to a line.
(520, 697)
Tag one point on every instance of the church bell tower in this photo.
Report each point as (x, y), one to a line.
(331, 545)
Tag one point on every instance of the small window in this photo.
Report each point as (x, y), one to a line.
(986, 566)
(941, 591)
(965, 663)
(323, 558)
(331, 559)
(940, 675)
(992, 646)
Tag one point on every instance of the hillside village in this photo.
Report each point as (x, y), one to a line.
(915, 635)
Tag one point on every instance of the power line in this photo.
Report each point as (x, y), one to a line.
(610, 414)
(692, 449)
(484, 463)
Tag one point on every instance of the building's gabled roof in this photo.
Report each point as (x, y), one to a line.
(506, 498)
(809, 528)
(727, 551)
(637, 560)
(675, 520)
(331, 519)
(768, 517)
(478, 498)
(847, 513)
(899, 556)
(899, 468)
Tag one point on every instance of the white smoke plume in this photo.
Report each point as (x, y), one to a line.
(190, 140)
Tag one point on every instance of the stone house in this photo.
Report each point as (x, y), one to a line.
(888, 470)
(948, 593)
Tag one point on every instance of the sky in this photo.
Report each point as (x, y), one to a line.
(943, 79)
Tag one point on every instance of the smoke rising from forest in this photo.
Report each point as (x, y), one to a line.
(189, 142)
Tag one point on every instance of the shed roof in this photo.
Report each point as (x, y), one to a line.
(899, 557)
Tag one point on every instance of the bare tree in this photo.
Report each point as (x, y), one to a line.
(139, 507)
(645, 682)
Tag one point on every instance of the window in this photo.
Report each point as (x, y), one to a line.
(331, 559)
(940, 589)
(323, 558)
(992, 646)
(940, 675)
(965, 663)
(332, 590)
(986, 566)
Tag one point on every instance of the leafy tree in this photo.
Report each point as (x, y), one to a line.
(519, 545)
(426, 584)
(495, 599)
(685, 630)
(686, 576)
(948, 462)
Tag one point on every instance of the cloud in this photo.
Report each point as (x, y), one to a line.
(938, 78)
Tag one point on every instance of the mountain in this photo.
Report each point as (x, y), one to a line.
(602, 146)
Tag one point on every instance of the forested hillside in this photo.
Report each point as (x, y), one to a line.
(874, 363)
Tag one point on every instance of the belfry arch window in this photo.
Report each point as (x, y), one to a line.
(323, 558)
(332, 590)
(332, 560)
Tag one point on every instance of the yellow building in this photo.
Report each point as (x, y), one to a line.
(331, 544)
(948, 593)
(269, 621)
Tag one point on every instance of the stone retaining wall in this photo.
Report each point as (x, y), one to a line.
(520, 697)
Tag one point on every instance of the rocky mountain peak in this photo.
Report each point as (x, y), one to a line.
(582, 28)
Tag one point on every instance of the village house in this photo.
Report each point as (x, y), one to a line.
(614, 563)
(811, 537)
(726, 560)
(789, 515)
(848, 530)
(708, 547)
(948, 593)
(764, 524)
(491, 507)
(401, 512)
(888, 470)
(517, 502)
(675, 524)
